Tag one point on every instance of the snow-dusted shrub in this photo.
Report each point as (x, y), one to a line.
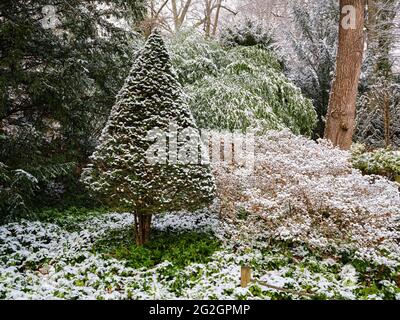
(305, 191)
(19, 186)
(129, 169)
(239, 88)
(384, 162)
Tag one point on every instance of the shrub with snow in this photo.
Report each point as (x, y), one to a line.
(307, 192)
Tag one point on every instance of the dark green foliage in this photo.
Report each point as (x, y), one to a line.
(314, 46)
(61, 77)
(70, 218)
(19, 187)
(247, 33)
(180, 248)
(383, 162)
(240, 88)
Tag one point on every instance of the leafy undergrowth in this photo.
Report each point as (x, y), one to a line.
(96, 259)
(180, 248)
(70, 218)
(308, 224)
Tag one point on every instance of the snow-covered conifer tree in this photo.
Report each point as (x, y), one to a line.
(150, 158)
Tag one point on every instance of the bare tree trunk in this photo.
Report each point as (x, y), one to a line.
(142, 228)
(153, 19)
(175, 15)
(179, 15)
(342, 102)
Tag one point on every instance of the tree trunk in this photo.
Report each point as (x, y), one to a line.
(207, 18)
(372, 21)
(342, 102)
(216, 20)
(142, 228)
(184, 12)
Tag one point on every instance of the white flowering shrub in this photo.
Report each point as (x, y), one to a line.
(307, 192)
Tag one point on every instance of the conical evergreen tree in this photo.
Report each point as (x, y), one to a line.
(150, 158)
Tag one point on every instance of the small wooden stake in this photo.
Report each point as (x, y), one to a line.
(245, 276)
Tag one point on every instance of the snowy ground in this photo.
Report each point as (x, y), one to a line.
(46, 261)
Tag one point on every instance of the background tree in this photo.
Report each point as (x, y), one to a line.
(124, 172)
(342, 103)
(247, 33)
(61, 64)
(311, 53)
(173, 15)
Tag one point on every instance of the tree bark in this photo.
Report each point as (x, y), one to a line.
(342, 102)
(184, 12)
(142, 228)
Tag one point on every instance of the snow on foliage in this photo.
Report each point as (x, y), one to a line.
(122, 171)
(378, 110)
(239, 88)
(305, 191)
